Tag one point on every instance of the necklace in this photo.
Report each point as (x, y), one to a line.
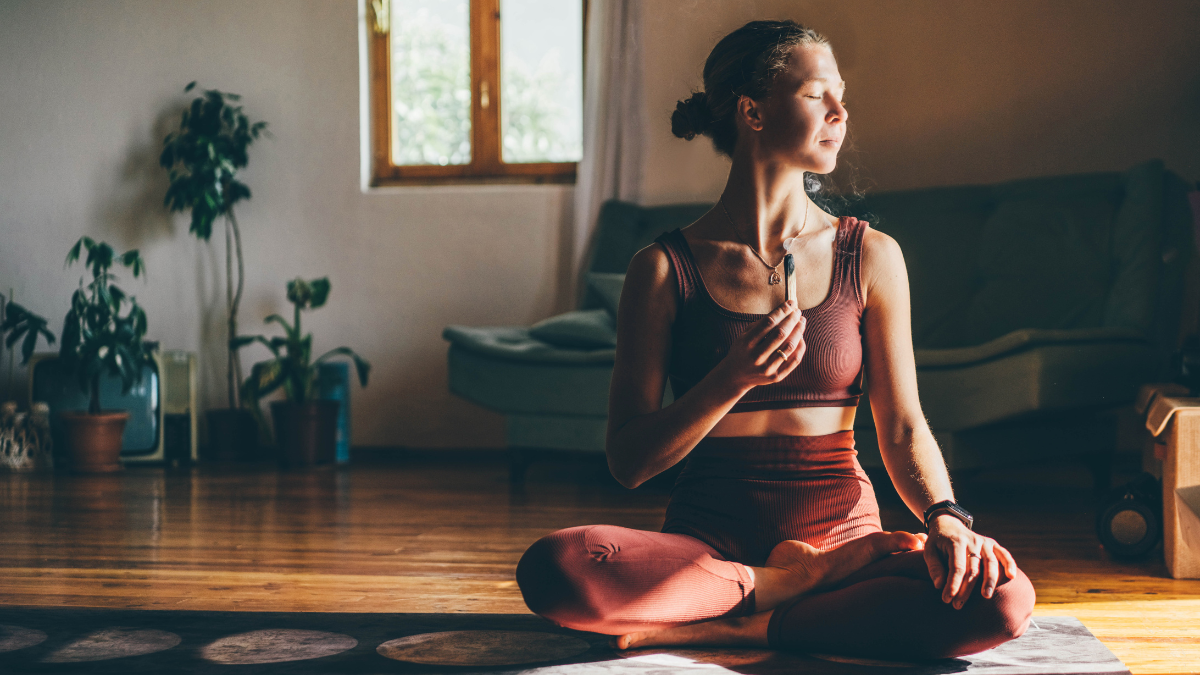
(774, 278)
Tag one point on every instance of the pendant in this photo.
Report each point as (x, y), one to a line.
(774, 279)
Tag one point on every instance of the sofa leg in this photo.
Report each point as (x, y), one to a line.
(519, 460)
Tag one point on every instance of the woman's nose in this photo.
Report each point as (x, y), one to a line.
(837, 112)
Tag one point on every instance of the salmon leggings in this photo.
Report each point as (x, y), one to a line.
(734, 501)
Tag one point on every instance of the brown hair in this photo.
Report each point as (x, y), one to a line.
(744, 63)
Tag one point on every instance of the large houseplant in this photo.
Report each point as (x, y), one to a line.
(97, 339)
(305, 426)
(203, 158)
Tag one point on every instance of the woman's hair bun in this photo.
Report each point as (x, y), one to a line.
(692, 117)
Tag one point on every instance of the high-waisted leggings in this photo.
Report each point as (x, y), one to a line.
(734, 501)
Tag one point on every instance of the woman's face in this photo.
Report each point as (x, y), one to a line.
(804, 117)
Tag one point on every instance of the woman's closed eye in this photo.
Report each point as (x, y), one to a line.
(818, 97)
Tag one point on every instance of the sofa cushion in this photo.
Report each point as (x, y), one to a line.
(607, 287)
(1041, 264)
(513, 343)
(581, 329)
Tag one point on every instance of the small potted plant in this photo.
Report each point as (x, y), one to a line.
(305, 426)
(202, 159)
(98, 340)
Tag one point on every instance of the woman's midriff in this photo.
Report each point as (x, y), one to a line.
(813, 421)
(743, 495)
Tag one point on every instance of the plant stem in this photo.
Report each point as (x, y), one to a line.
(236, 358)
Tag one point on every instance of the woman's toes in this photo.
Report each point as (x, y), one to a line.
(627, 641)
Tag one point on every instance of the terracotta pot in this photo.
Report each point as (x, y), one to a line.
(306, 433)
(94, 441)
(232, 435)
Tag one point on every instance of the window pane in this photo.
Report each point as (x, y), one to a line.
(541, 81)
(431, 82)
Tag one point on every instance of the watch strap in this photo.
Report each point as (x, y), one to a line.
(952, 508)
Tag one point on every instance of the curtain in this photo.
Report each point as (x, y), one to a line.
(613, 124)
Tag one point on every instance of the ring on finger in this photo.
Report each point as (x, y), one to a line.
(973, 555)
(781, 353)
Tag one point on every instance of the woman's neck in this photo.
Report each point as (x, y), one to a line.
(767, 203)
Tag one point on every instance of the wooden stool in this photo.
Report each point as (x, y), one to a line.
(1174, 422)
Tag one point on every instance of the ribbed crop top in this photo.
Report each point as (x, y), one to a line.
(830, 372)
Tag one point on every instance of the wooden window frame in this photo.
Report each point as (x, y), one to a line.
(486, 165)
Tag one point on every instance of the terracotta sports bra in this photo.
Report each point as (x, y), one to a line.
(830, 373)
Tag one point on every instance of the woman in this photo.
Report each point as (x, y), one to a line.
(772, 536)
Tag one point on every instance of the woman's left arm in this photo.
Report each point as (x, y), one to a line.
(958, 558)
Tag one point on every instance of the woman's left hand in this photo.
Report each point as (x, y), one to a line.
(959, 558)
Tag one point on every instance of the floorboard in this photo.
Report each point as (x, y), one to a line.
(431, 533)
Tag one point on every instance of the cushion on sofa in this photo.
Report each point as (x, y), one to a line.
(514, 343)
(607, 287)
(580, 329)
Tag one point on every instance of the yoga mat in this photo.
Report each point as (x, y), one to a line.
(80, 640)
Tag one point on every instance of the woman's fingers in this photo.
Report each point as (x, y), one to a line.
(974, 562)
(787, 355)
(937, 570)
(786, 366)
(991, 572)
(958, 570)
(778, 339)
(1006, 561)
(771, 321)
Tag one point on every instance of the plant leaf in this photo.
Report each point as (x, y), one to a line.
(361, 365)
(320, 291)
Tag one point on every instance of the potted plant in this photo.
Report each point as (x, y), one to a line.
(305, 426)
(202, 159)
(98, 340)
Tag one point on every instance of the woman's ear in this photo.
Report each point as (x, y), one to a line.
(749, 112)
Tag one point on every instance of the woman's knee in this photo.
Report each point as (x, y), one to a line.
(1012, 606)
(552, 575)
(993, 621)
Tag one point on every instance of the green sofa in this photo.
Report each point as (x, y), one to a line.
(1036, 304)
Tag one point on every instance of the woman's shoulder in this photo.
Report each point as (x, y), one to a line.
(652, 262)
(879, 248)
(882, 261)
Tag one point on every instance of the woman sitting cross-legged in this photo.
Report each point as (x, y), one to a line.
(772, 536)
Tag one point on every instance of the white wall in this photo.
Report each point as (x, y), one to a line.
(941, 92)
(90, 88)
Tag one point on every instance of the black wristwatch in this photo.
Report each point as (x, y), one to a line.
(953, 509)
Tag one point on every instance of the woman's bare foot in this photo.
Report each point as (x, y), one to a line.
(746, 631)
(795, 568)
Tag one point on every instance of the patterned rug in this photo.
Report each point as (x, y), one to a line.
(36, 640)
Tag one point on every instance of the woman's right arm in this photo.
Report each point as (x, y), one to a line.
(644, 439)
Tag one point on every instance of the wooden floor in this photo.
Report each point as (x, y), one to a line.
(427, 534)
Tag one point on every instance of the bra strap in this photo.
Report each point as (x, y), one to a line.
(849, 249)
(686, 274)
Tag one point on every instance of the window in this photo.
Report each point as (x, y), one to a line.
(476, 90)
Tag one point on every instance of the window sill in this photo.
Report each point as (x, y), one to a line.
(429, 181)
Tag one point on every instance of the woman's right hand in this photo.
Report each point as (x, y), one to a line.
(768, 352)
